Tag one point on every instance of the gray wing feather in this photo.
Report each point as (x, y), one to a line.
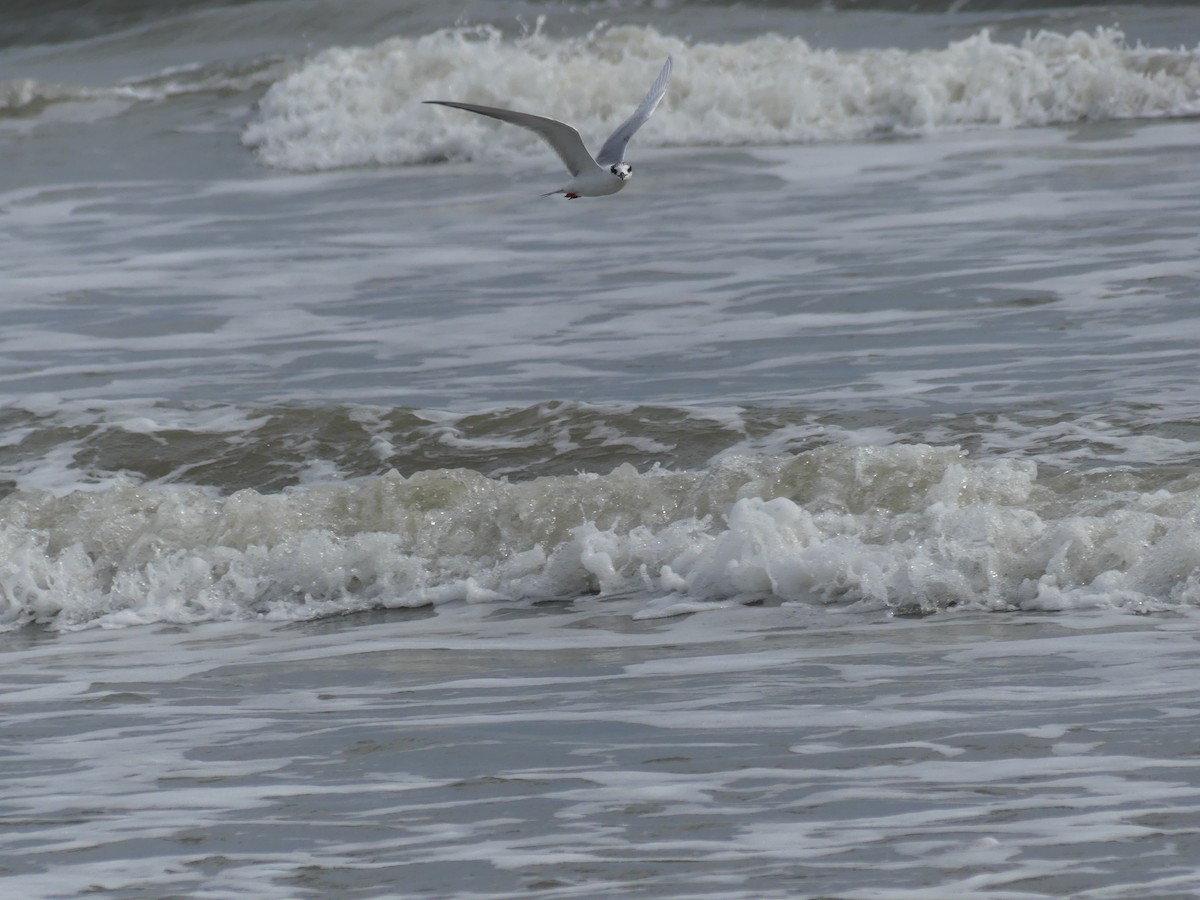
(613, 150)
(562, 137)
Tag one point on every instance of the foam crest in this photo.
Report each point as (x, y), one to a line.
(27, 100)
(360, 106)
(25, 96)
(909, 528)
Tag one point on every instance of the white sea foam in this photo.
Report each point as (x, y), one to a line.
(360, 105)
(904, 527)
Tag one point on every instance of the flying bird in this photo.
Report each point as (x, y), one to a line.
(607, 172)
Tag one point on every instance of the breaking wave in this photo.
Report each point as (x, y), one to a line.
(361, 105)
(907, 528)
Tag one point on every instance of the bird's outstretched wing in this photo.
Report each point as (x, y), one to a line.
(562, 137)
(613, 150)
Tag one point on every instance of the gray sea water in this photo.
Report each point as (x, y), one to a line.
(819, 516)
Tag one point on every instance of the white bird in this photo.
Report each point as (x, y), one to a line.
(607, 173)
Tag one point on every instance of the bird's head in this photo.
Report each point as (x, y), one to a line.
(621, 170)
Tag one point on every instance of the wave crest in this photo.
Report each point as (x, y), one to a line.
(911, 528)
(360, 106)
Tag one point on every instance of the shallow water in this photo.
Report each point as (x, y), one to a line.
(818, 516)
(564, 750)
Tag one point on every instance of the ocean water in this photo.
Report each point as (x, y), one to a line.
(818, 517)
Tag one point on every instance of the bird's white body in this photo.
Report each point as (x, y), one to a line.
(606, 173)
(597, 182)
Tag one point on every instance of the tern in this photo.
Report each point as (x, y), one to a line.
(607, 172)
